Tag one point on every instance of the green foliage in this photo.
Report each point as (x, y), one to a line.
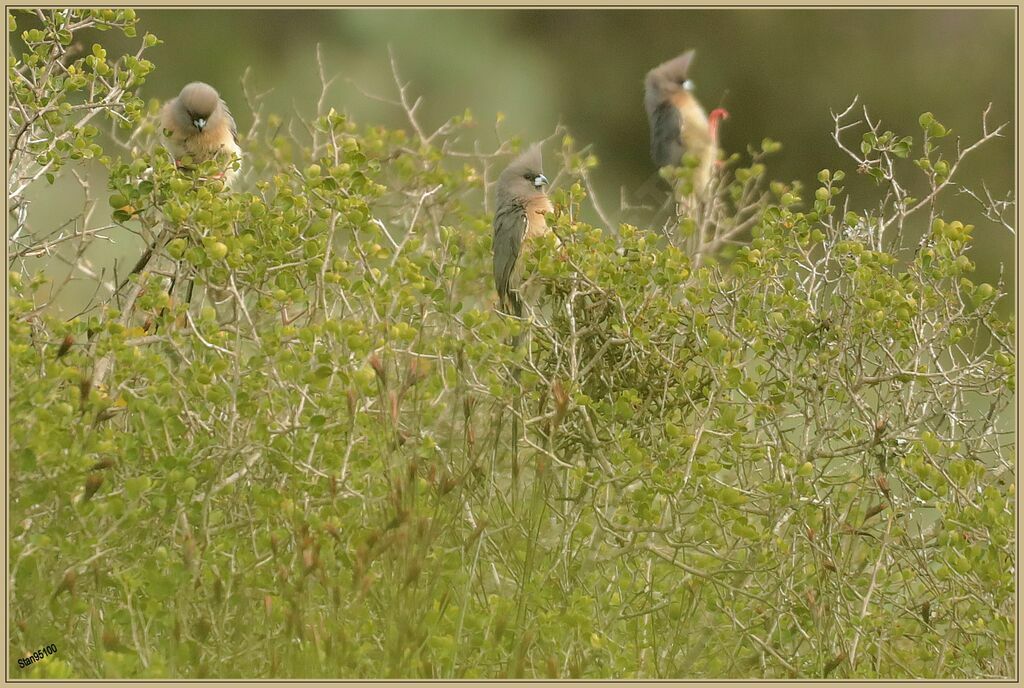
(796, 450)
(55, 94)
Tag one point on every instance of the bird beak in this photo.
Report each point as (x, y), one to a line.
(687, 85)
(540, 181)
(199, 123)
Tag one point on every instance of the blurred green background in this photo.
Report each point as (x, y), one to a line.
(777, 71)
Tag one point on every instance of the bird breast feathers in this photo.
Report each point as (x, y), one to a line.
(213, 141)
(217, 138)
(694, 121)
(536, 223)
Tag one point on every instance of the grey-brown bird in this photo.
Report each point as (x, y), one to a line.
(199, 125)
(518, 218)
(677, 120)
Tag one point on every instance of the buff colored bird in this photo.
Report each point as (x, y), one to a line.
(199, 126)
(678, 122)
(521, 206)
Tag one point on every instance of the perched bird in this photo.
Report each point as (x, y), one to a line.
(199, 125)
(678, 122)
(519, 217)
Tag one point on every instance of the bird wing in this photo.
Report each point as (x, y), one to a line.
(666, 125)
(231, 122)
(171, 130)
(509, 227)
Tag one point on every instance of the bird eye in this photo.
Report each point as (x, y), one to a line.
(528, 177)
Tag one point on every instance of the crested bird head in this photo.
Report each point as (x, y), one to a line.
(668, 78)
(523, 178)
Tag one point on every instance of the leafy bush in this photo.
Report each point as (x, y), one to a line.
(786, 457)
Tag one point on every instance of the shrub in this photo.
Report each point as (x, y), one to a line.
(786, 457)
